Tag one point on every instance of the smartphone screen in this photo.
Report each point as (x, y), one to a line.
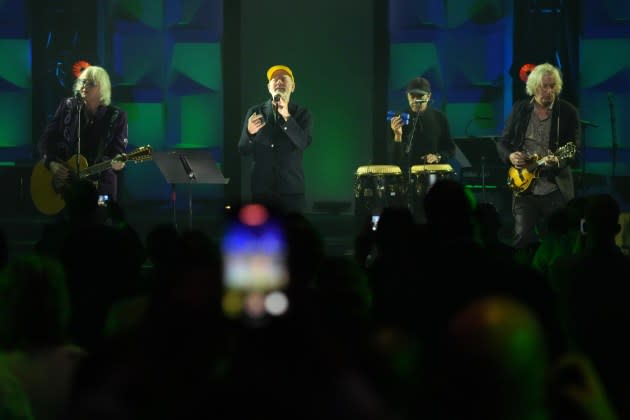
(375, 219)
(255, 263)
(102, 200)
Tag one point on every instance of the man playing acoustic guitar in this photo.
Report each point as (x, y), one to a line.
(534, 128)
(101, 128)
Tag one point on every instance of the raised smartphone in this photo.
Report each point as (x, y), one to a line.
(255, 270)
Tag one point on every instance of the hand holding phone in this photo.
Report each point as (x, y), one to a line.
(375, 219)
(103, 200)
(254, 253)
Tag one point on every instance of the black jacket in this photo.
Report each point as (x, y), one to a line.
(565, 128)
(102, 138)
(432, 135)
(277, 150)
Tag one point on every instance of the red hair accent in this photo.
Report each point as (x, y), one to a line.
(525, 70)
(79, 66)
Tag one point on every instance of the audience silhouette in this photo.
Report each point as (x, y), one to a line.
(435, 320)
(37, 358)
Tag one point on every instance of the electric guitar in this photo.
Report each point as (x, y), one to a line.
(519, 180)
(47, 191)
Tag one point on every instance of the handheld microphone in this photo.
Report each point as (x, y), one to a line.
(276, 97)
(187, 168)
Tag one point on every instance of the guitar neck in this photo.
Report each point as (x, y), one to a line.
(566, 151)
(95, 169)
(541, 161)
(139, 155)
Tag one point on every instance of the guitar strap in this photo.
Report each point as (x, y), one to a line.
(105, 138)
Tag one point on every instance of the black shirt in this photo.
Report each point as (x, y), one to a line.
(432, 135)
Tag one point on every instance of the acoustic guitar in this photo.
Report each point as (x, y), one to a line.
(47, 192)
(520, 180)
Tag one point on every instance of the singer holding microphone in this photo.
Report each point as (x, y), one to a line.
(275, 134)
(87, 124)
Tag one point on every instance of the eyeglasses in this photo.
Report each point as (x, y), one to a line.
(89, 83)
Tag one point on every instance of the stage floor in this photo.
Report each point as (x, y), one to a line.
(23, 226)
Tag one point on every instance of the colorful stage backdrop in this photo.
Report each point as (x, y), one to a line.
(167, 59)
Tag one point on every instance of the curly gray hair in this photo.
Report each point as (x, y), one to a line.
(534, 81)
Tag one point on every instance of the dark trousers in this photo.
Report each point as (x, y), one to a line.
(531, 213)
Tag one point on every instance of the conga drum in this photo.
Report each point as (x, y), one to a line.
(421, 180)
(377, 187)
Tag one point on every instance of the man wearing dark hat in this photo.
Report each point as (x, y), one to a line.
(275, 133)
(424, 137)
(431, 142)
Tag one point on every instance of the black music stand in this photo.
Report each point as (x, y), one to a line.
(480, 152)
(583, 126)
(188, 166)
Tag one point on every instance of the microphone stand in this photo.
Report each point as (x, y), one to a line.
(483, 178)
(583, 126)
(611, 106)
(408, 148)
(80, 102)
(79, 110)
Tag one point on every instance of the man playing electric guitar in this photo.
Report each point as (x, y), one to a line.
(88, 116)
(526, 167)
(535, 126)
(529, 163)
